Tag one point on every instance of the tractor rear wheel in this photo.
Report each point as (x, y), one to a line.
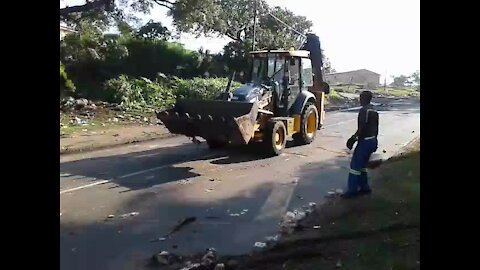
(308, 125)
(275, 138)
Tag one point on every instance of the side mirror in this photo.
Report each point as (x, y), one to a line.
(326, 88)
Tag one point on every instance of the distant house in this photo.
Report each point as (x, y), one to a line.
(367, 78)
(65, 30)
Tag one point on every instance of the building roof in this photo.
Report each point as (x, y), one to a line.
(294, 53)
(352, 71)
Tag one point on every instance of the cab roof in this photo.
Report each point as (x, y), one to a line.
(292, 53)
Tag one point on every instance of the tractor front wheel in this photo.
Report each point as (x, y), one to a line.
(308, 125)
(275, 138)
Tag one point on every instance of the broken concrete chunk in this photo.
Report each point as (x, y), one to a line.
(163, 258)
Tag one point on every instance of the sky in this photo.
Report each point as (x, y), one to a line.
(379, 35)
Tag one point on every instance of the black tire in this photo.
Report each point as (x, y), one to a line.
(306, 136)
(275, 138)
(216, 143)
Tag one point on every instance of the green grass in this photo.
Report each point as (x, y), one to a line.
(398, 92)
(334, 98)
(395, 200)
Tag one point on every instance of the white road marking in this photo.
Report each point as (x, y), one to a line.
(84, 186)
(130, 175)
(339, 123)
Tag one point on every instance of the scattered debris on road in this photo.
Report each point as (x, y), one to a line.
(219, 266)
(181, 224)
(209, 189)
(166, 258)
(111, 216)
(183, 182)
(131, 214)
(384, 151)
(316, 227)
(160, 239)
(330, 194)
(272, 238)
(244, 211)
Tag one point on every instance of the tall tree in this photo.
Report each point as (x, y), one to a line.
(153, 30)
(400, 81)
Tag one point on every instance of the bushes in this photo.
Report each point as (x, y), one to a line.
(142, 92)
(199, 88)
(137, 93)
(66, 85)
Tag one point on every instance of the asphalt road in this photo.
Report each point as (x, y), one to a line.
(236, 196)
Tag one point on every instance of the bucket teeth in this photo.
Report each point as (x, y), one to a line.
(187, 115)
(199, 117)
(210, 118)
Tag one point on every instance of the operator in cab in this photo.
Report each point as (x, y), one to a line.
(367, 143)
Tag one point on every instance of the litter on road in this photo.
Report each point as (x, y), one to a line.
(330, 194)
(209, 189)
(272, 238)
(111, 216)
(260, 244)
(183, 182)
(131, 214)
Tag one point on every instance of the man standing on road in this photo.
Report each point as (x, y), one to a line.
(366, 138)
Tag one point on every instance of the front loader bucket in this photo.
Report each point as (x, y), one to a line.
(218, 120)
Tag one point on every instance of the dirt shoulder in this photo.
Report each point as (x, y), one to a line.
(379, 231)
(120, 135)
(90, 126)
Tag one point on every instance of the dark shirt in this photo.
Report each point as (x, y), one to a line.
(367, 122)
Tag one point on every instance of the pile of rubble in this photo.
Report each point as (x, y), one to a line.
(208, 261)
(69, 104)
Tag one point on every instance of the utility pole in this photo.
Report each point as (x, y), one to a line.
(254, 23)
(385, 82)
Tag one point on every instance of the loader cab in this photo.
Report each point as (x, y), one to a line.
(288, 72)
(276, 66)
